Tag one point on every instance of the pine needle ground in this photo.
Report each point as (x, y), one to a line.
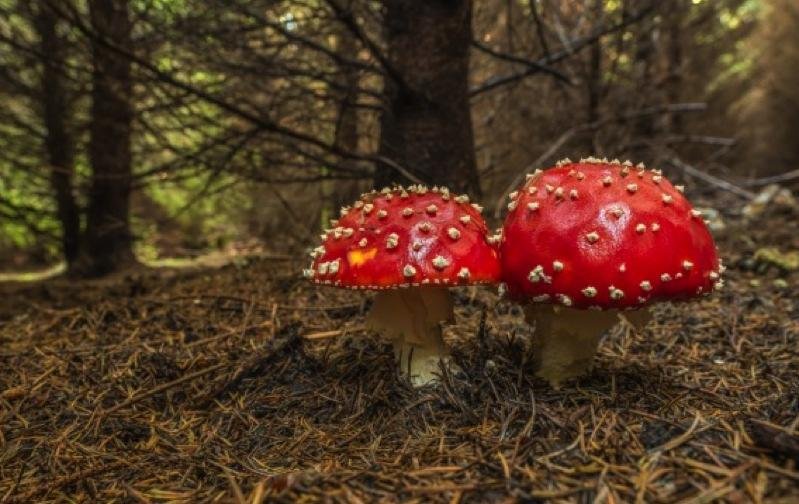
(246, 384)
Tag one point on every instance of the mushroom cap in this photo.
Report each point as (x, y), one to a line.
(406, 237)
(605, 235)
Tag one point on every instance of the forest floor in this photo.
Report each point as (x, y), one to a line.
(245, 383)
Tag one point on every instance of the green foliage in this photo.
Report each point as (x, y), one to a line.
(201, 206)
(167, 10)
(26, 214)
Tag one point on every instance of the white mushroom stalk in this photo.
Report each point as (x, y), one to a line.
(566, 339)
(411, 319)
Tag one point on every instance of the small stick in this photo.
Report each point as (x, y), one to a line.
(161, 388)
(682, 438)
(435, 470)
(330, 334)
(244, 371)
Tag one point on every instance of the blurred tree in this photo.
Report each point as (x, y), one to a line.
(290, 106)
(59, 142)
(336, 194)
(427, 125)
(644, 60)
(109, 243)
(594, 75)
(346, 128)
(674, 67)
(770, 111)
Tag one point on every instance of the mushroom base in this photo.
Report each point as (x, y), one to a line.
(411, 319)
(566, 340)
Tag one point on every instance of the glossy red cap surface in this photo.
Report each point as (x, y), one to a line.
(406, 237)
(604, 235)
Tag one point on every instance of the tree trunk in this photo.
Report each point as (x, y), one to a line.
(109, 243)
(644, 127)
(675, 63)
(59, 144)
(594, 79)
(347, 122)
(337, 193)
(427, 127)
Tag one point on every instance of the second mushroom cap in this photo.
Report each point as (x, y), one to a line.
(625, 237)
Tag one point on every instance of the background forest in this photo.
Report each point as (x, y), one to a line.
(177, 159)
(163, 128)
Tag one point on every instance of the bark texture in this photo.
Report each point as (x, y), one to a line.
(59, 143)
(426, 127)
(594, 81)
(335, 194)
(108, 237)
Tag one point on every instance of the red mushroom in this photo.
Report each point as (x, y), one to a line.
(411, 245)
(585, 240)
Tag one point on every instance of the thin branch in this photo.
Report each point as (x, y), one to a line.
(573, 47)
(539, 25)
(712, 180)
(348, 20)
(775, 179)
(529, 63)
(330, 53)
(262, 122)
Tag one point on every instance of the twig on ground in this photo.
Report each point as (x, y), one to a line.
(160, 388)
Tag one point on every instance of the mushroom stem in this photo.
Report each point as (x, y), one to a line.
(565, 340)
(411, 319)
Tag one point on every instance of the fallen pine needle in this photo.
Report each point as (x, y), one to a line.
(331, 334)
(161, 388)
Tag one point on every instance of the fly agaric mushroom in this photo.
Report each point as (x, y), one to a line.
(410, 245)
(585, 240)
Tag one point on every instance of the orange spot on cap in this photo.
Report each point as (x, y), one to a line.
(359, 257)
